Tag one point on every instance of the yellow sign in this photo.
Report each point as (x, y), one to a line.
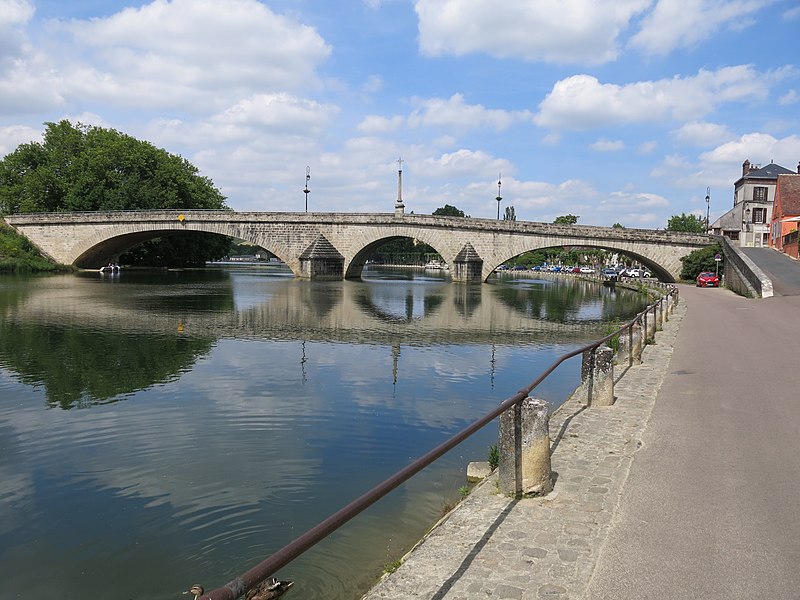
(181, 218)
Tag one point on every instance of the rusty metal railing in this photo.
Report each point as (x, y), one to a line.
(268, 567)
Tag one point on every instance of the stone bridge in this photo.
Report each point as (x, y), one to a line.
(337, 245)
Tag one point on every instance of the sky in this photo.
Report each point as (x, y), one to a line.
(621, 111)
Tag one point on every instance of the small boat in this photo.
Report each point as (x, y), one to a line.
(110, 268)
(435, 264)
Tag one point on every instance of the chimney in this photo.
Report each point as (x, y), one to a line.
(745, 167)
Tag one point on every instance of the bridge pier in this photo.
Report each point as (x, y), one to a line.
(321, 261)
(467, 266)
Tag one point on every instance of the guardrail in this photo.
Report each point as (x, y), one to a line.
(631, 337)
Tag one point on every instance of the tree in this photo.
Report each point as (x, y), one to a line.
(618, 226)
(449, 211)
(566, 220)
(700, 260)
(689, 223)
(87, 168)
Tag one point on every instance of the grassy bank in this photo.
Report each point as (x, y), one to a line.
(17, 254)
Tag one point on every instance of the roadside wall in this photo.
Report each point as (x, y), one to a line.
(742, 275)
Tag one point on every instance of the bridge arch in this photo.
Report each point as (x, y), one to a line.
(656, 269)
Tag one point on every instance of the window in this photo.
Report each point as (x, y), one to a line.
(760, 214)
(760, 194)
(732, 235)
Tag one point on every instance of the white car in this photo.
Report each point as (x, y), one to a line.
(639, 273)
(587, 270)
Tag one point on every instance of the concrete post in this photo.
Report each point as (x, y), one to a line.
(524, 446)
(650, 331)
(638, 342)
(603, 379)
(659, 317)
(587, 373)
(623, 356)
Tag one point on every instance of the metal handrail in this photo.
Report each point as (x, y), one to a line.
(269, 566)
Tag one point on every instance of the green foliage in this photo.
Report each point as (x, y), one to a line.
(494, 457)
(449, 211)
(566, 220)
(17, 254)
(391, 567)
(688, 223)
(463, 491)
(618, 226)
(88, 168)
(701, 260)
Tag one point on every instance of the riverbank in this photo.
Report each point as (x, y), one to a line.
(494, 546)
(18, 255)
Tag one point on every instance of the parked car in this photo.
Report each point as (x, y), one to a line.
(707, 279)
(575, 269)
(519, 268)
(638, 273)
(609, 272)
(586, 270)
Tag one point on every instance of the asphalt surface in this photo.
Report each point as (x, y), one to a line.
(783, 270)
(711, 506)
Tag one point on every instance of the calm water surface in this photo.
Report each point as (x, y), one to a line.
(158, 430)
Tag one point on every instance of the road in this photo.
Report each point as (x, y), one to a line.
(710, 508)
(784, 271)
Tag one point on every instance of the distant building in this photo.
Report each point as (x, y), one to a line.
(786, 213)
(748, 222)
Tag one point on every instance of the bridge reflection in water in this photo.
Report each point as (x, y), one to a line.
(223, 412)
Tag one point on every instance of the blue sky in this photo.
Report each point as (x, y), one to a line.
(617, 111)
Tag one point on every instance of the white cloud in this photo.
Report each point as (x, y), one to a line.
(604, 145)
(378, 124)
(185, 54)
(790, 97)
(583, 102)
(686, 23)
(570, 31)
(647, 147)
(15, 12)
(702, 133)
(454, 112)
(14, 135)
(758, 148)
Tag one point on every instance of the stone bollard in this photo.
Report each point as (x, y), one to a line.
(658, 311)
(587, 373)
(603, 378)
(623, 356)
(524, 446)
(651, 327)
(637, 343)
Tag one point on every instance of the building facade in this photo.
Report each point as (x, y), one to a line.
(749, 221)
(786, 214)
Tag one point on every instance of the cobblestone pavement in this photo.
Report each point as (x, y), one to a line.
(492, 546)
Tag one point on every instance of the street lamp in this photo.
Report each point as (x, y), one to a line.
(708, 205)
(306, 191)
(499, 198)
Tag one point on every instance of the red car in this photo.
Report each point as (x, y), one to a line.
(707, 279)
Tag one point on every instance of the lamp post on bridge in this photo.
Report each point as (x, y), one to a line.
(307, 191)
(708, 205)
(499, 198)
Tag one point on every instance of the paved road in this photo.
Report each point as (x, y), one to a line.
(711, 507)
(782, 270)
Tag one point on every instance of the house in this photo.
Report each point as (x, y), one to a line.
(748, 222)
(786, 213)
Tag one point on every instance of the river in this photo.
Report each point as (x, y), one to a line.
(164, 429)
